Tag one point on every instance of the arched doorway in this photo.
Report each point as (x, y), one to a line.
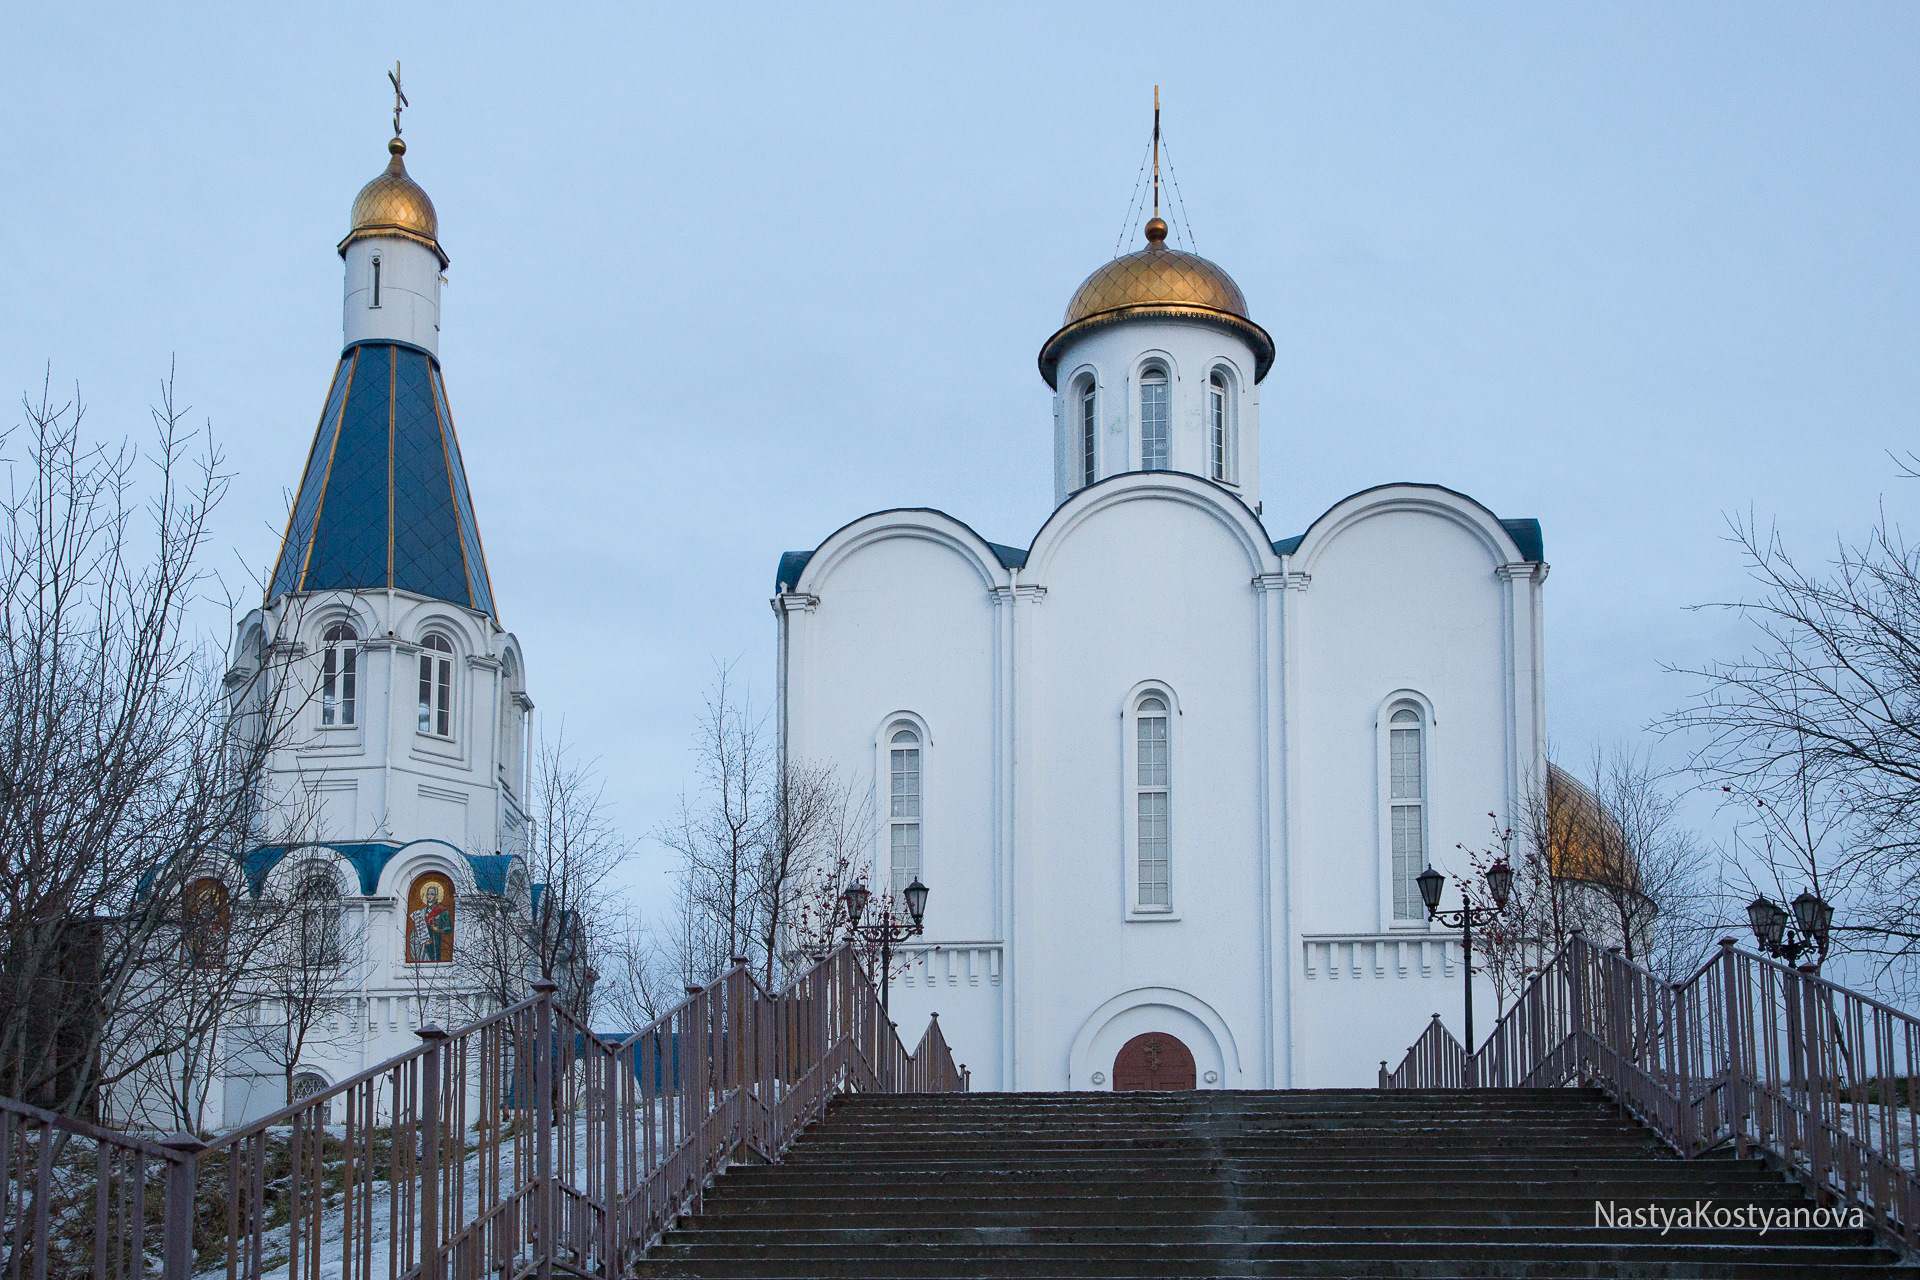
(1155, 1060)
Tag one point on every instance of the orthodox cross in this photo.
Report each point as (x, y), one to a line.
(1156, 147)
(400, 100)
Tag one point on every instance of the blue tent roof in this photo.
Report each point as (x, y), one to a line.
(384, 500)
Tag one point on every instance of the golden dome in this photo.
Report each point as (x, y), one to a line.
(1584, 841)
(1158, 283)
(394, 204)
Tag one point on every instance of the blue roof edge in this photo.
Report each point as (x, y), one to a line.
(369, 858)
(1525, 533)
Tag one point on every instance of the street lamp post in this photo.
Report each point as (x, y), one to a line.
(1788, 936)
(886, 932)
(1499, 885)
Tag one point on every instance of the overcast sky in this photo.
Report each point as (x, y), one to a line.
(724, 279)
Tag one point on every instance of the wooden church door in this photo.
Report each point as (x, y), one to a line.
(1153, 1061)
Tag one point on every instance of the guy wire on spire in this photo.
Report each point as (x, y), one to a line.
(1134, 200)
(1186, 223)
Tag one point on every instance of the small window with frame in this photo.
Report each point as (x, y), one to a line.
(436, 686)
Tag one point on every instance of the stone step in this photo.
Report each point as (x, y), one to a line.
(1704, 1264)
(1569, 1211)
(1292, 1181)
(1215, 1237)
(1323, 1160)
(1174, 1253)
(1445, 1185)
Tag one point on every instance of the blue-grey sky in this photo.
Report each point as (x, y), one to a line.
(724, 278)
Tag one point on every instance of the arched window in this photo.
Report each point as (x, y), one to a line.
(1406, 809)
(430, 919)
(903, 812)
(1220, 426)
(1153, 802)
(205, 920)
(339, 675)
(1089, 433)
(376, 281)
(316, 920)
(1155, 419)
(305, 1084)
(436, 686)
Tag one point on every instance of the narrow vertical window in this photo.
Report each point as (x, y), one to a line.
(376, 280)
(1151, 797)
(339, 675)
(1217, 424)
(1089, 435)
(903, 814)
(436, 686)
(1154, 418)
(1406, 798)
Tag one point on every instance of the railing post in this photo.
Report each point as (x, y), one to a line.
(610, 1225)
(176, 1240)
(1383, 1073)
(543, 1124)
(1577, 996)
(1683, 1066)
(430, 1206)
(1734, 1090)
(1820, 1101)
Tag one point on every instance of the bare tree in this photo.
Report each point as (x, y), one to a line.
(1645, 873)
(810, 848)
(720, 833)
(555, 923)
(122, 762)
(292, 990)
(1608, 856)
(842, 857)
(1814, 735)
(766, 846)
(639, 976)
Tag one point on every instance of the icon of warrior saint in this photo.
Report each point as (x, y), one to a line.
(432, 924)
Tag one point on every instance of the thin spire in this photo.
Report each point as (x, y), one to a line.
(1156, 226)
(1156, 144)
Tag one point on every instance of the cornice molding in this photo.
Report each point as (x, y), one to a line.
(1525, 571)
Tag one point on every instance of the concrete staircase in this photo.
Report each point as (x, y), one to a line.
(1320, 1184)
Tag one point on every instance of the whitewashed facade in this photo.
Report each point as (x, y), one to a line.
(403, 762)
(1155, 782)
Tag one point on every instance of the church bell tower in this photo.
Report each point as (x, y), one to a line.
(402, 698)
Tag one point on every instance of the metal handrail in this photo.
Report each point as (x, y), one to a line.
(498, 1151)
(1745, 1052)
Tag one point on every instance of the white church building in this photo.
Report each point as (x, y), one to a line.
(1168, 777)
(402, 763)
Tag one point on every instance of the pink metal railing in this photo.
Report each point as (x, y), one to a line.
(1435, 1061)
(1746, 1052)
(503, 1149)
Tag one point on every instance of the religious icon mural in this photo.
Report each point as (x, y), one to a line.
(430, 919)
(205, 919)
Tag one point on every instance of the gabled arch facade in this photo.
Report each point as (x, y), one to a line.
(1158, 600)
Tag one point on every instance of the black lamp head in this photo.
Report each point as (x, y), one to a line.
(916, 895)
(1431, 882)
(1500, 883)
(1769, 921)
(1814, 915)
(856, 899)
